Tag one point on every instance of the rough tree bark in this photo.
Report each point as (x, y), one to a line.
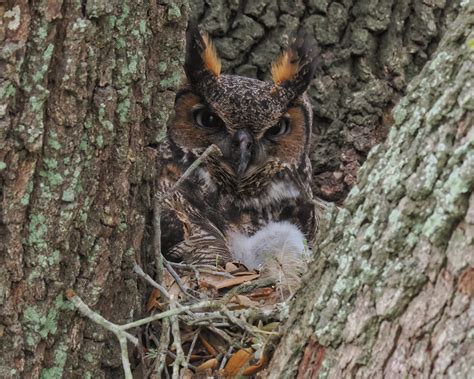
(391, 291)
(86, 88)
(370, 52)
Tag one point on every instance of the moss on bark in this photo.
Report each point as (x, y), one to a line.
(86, 89)
(390, 293)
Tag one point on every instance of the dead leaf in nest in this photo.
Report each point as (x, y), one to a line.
(210, 349)
(231, 267)
(231, 282)
(212, 343)
(175, 291)
(242, 273)
(261, 293)
(234, 267)
(241, 301)
(219, 282)
(209, 281)
(153, 300)
(198, 357)
(237, 362)
(253, 369)
(202, 284)
(168, 280)
(210, 364)
(267, 298)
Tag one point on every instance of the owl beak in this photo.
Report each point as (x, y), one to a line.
(243, 140)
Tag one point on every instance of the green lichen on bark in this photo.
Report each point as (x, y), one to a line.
(386, 280)
(81, 109)
(56, 371)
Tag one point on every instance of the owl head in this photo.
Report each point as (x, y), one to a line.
(251, 121)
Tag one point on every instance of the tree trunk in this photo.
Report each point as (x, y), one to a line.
(370, 50)
(390, 293)
(86, 89)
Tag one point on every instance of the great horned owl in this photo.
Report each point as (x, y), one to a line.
(263, 130)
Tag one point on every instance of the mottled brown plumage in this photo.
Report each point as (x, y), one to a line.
(263, 131)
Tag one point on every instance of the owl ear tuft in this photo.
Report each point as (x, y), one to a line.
(295, 67)
(210, 57)
(285, 67)
(201, 56)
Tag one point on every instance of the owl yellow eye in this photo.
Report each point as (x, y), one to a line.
(280, 129)
(206, 119)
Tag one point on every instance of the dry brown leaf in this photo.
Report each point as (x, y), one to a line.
(209, 364)
(153, 300)
(237, 361)
(218, 282)
(238, 267)
(204, 284)
(210, 349)
(196, 357)
(168, 280)
(243, 301)
(242, 273)
(253, 369)
(231, 282)
(210, 281)
(175, 291)
(260, 293)
(231, 267)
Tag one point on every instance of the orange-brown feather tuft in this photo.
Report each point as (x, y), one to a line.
(210, 57)
(285, 67)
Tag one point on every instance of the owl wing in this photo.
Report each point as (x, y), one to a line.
(202, 247)
(191, 235)
(306, 209)
(191, 230)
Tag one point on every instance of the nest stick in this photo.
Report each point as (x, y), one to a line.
(177, 279)
(163, 348)
(121, 335)
(191, 348)
(138, 270)
(180, 360)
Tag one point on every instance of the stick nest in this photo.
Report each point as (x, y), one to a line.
(233, 336)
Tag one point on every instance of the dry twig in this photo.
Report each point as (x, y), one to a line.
(180, 359)
(120, 330)
(163, 347)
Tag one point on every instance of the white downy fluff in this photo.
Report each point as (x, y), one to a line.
(278, 250)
